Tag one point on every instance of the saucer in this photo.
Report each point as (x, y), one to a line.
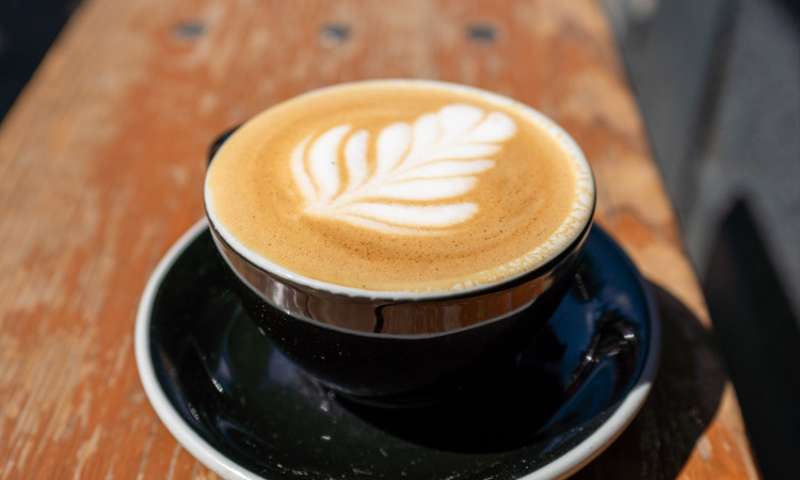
(246, 412)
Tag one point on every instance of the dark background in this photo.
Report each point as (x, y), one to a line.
(718, 84)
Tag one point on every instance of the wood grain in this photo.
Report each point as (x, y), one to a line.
(101, 164)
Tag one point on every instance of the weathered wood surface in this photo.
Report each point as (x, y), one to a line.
(101, 163)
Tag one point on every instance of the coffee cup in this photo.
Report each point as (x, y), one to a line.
(399, 240)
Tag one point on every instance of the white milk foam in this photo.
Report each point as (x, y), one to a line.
(437, 158)
(407, 179)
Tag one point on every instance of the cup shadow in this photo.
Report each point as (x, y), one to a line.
(243, 396)
(685, 398)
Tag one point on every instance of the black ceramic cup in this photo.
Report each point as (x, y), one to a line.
(399, 350)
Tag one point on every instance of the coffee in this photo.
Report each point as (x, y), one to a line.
(401, 186)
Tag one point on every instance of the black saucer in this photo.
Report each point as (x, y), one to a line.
(247, 412)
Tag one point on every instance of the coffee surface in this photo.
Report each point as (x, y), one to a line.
(399, 186)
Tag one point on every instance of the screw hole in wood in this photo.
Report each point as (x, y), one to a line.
(334, 33)
(481, 33)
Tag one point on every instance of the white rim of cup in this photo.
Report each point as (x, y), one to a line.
(556, 131)
(567, 464)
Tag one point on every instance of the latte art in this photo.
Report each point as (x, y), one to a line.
(397, 187)
(417, 175)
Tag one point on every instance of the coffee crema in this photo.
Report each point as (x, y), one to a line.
(399, 186)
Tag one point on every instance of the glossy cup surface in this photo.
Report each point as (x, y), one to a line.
(400, 350)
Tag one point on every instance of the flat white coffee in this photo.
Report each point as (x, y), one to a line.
(401, 186)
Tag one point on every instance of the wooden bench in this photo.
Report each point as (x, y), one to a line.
(101, 164)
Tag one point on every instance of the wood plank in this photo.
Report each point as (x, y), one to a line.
(101, 164)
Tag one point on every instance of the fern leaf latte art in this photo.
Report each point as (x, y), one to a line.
(400, 186)
(415, 167)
